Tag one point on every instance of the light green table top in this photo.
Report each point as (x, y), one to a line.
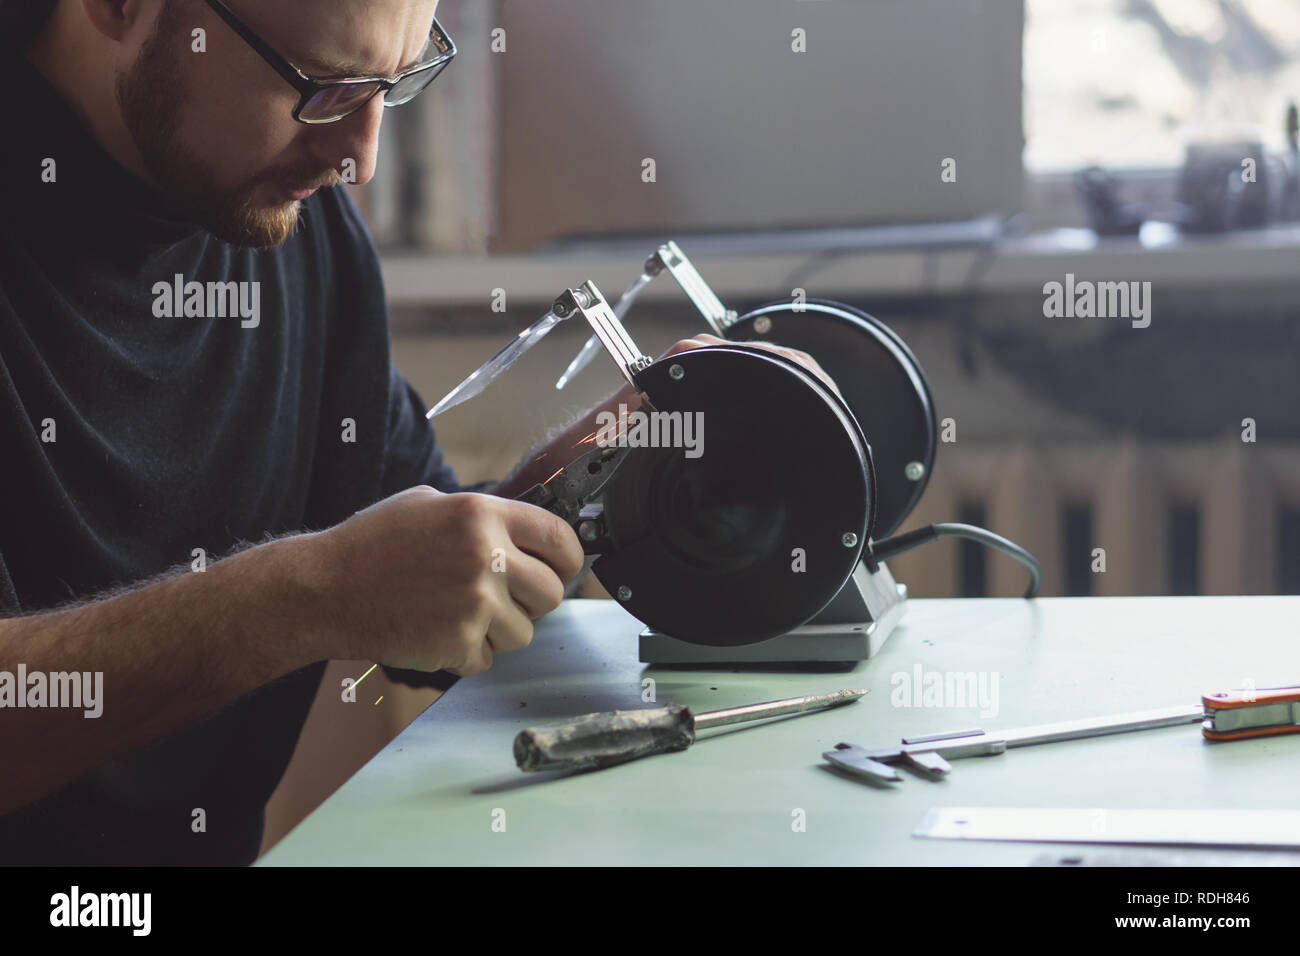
(440, 791)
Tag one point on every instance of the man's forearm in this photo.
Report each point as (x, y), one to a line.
(561, 447)
(170, 653)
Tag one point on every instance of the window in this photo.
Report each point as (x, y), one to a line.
(1126, 83)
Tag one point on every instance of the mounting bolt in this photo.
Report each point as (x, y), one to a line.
(762, 325)
(624, 592)
(849, 540)
(676, 372)
(914, 470)
(560, 308)
(588, 531)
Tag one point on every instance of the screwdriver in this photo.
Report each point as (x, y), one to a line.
(613, 737)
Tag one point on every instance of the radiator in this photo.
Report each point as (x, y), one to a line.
(1175, 517)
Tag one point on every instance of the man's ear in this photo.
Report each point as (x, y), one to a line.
(116, 19)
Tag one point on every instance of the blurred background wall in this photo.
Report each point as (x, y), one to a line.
(805, 145)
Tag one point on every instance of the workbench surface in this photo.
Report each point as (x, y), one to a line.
(446, 790)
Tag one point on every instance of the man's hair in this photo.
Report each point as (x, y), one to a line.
(21, 19)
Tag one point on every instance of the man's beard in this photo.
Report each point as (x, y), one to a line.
(152, 96)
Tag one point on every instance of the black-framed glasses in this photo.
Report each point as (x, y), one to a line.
(328, 101)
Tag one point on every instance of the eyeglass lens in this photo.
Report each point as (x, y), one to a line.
(408, 86)
(336, 102)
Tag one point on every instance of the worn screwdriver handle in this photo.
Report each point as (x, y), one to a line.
(599, 740)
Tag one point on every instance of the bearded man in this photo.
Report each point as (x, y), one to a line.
(198, 145)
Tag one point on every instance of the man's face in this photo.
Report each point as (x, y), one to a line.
(216, 130)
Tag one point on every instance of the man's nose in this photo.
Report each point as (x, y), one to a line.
(351, 145)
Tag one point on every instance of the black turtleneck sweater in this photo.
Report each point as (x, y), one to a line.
(174, 433)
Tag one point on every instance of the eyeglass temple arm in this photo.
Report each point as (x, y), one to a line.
(299, 80)
(296, 77)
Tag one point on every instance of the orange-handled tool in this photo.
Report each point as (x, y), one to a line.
(1238, 714)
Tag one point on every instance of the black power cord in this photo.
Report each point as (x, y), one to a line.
(877, 551)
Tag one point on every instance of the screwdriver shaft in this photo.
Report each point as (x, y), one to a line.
(775, 708)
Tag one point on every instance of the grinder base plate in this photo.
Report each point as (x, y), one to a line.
(854, 636)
